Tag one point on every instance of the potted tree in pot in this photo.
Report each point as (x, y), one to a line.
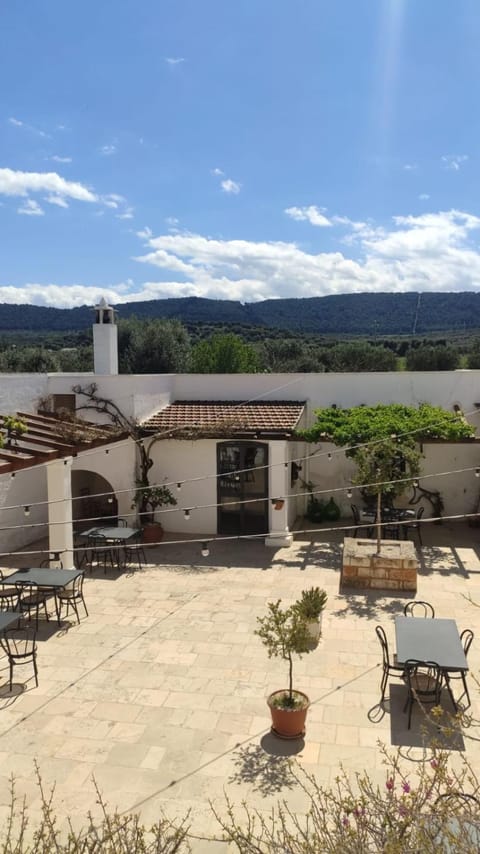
(284, 633)
(310, 606)
(147, 499)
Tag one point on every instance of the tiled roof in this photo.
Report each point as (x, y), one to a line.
(226, 417)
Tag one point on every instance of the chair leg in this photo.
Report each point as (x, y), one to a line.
(35, 669)
(11, 673)
(383, 685)
(85, 606)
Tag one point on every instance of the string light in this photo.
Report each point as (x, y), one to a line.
(110, 499)
(205, 550)
(186, 514)
(329, 457)
(26, 510)
(349, 492)
(179, 486)
(415, 483)
(477, 472)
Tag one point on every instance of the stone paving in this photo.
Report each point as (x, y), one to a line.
(159, 695)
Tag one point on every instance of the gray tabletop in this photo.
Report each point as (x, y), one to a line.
(430, 640)
(43, 576)
(7, 618)
(121, 534)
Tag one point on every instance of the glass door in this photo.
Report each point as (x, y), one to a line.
(242, 488)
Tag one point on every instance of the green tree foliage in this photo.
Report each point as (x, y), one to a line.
(224, 354)
(430, 358)
(366, 423)
(360, 356)
(473, 358)
(153, 346)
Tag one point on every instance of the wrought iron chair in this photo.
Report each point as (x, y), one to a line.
(31, 598)
(417, 608)
(8, 596)
(424, 684)
(134, 550)
(416, 526)
(390, 668)
(466, 637)
(356, 519)
(69, 597)
(20, 647)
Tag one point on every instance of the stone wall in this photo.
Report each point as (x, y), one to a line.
(394, 569)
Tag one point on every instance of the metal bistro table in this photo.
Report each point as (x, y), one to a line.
(44, 577)
(431, 640)
(112, 539)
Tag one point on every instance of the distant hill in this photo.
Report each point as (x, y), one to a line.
(354, 314)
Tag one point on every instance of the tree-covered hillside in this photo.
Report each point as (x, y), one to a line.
(348, 314)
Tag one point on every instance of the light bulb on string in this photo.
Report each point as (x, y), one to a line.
(477, 472)
(329, 457)
(186, 514)
(179, 486)
(205, 550)
(415, 483)
(26, 510)
(349, 492)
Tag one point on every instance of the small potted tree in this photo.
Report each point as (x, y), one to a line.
(284, 633)
(310, 606)
(147, 499)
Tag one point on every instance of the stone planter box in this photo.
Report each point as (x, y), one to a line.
(394, 569)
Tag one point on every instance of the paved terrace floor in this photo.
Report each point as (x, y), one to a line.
(160, 693)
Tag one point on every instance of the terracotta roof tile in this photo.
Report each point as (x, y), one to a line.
(208, 417)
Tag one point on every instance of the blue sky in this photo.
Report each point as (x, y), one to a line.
(247, 150)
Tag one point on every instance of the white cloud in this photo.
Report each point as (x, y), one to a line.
(424, 197)
(218, 172)
(174, 60)
(125, 214)
(431, 252)
(19, 124)
(56, 200)
(172, 221)
(410, 167)
(65, 296)
(310, 214)
(58, 159)
(31, 208)
(108, 150)
(229, 186)
(15, 183)
(454, 161)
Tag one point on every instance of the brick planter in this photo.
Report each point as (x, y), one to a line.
(394, 569)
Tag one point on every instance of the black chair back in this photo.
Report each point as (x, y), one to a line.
(384, 644)
(417, 608)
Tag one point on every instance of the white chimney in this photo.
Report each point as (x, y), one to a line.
(105, 340)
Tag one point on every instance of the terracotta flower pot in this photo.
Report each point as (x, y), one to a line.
(288, 723)
(152, 532)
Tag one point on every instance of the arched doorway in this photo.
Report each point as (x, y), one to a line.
(242, 496)
(93, 498)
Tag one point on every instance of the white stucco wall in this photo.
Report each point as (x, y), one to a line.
(176, 461)
(137, 396)
(26, 488)
(21, 392)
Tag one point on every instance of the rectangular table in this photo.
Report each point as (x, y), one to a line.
(7, 618)
(112, 536)
(430, 640)
(43, 577)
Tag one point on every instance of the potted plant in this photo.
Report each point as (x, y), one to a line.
(310, 606)
(147, 499)
(284, 633)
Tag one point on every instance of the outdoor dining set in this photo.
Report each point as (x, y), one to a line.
(23, 595)
(397, 522)
(114, 547)
(431, 655)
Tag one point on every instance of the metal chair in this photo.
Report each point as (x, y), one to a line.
(69, 597)
(389, 668)
(416, 526)
(466, 637)
(135, 549)
(122, 523)
(20, 647)
(416, 608)
(356, 519)
(424, 684)
(49, 560)
(8, 596)
(30, 599)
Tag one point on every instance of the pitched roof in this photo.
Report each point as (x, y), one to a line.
(48, 437)
(194, 418)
